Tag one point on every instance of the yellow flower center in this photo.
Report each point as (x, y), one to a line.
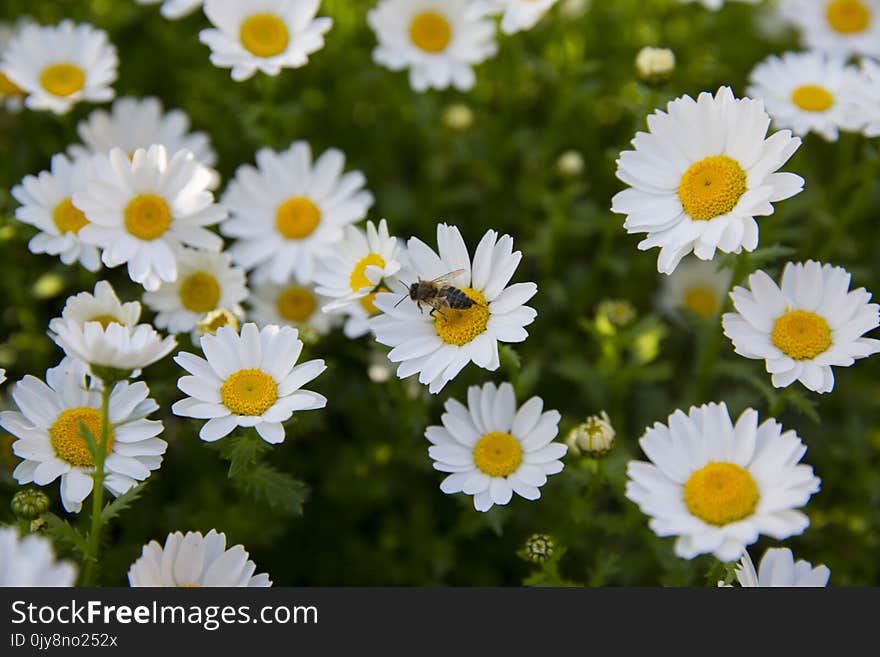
(297, 218)
(430, 31)
(461, 326)
(358, 278)
(368, 302)
(105, 320)
(200, 292)
(497, 454)
(62, 79)
(702, 301)
(848, 16)
(812, 98)
(801, 335)
(720, 493)
(68, 218)
(249, 392)
(711, 187)
(264, 35)
(217, 319)
(147, 216)
(67, 440)
(296, 304)
(8, 87)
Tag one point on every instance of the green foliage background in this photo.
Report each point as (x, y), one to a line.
(374, 514)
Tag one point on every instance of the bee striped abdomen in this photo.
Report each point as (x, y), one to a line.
(456, 299)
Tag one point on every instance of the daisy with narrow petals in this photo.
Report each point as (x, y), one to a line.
(206, 281)
(30, 561)
(263, 36)
(702, 174)
(299, 306)
(717, 486)
(696, 287)
(61, 65)
(193, 560)
(778, 568)
(47, 204)
(439, 41)
(808, 92)
(842, 27)
(805, 326)
(174, 9)
(47, 426)
(518, 15)
(866, 96)
(438, 345)
(142, 210)
(248, 380)
(492, 450)
(288, 211)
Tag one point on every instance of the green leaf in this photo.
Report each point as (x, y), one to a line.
(804, 406)
(63, 533)
(509, 358)
(243, 451)
(114, 508)
(277, 490)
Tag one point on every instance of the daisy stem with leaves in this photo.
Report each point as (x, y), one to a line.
(99, 455)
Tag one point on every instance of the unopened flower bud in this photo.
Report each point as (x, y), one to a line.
(655, 63)
(29, 503)
(458, 117)
(617, 312)
(539, 548)
(593, 437)
(570, 164)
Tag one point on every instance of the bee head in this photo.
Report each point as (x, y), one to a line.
(413, 291)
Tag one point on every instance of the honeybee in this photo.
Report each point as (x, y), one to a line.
(439, 294)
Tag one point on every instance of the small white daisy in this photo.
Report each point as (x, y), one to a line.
(61, 65)
(439, 41)
(193, 560)
(49, 438)
(174, 9)
(103, 307)
(287, 211)
(438, 345)
(779, 569)
(141, 210)
(812, 323)
(696, 286)
(30, 561)
(702, 174)
(808, 92)
(46, 203)
(715, 5)
(248, 380)
(11, 95)
(206, 281)
(866, 95)
(493, 450)
(263, 36)
(299, 306)
(842, 27)
(518, 15)
(718, 486)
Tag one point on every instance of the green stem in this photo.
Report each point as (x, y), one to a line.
(98, 476)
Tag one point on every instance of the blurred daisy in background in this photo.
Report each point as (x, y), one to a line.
(30, 561)
(715, 5)
(702, 174)
(206, 281)
(263, 36)
(142, 210)
(2, 375)
(808, 92)
(492, 449)
(11, 95)
(287, 211)
(718, 486)
(248, 380)
(299, 306)
(518, 15)
(47, 204)
(778, 568)
(51, 443)
(439, 41)
(866, 96)
(193, 560)
(174, 9)
(697, 287)
(438, 345)
(843, 27)
(805, 326)
(61, 65)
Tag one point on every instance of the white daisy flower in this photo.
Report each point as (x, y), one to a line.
(248, 380)
(30, 561)
(715, 5)
(867, 97)
(718, 486)
(193, 560)
(695, 286)
(843, 27)
(439, 344)
(11, 95)
(46, 203)
(439, 41)
(808, 92)
(61, 65)
(702, 174)
(141, 210)
(103, 307)
(174, 9)
(263, 36)
(286, 212)
(803, 329)
(518, 15)
(49, 438)
(206, 281)
(493, 450)
(292, 304)
(778, 568)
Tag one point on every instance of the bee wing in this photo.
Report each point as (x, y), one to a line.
(446, 279)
